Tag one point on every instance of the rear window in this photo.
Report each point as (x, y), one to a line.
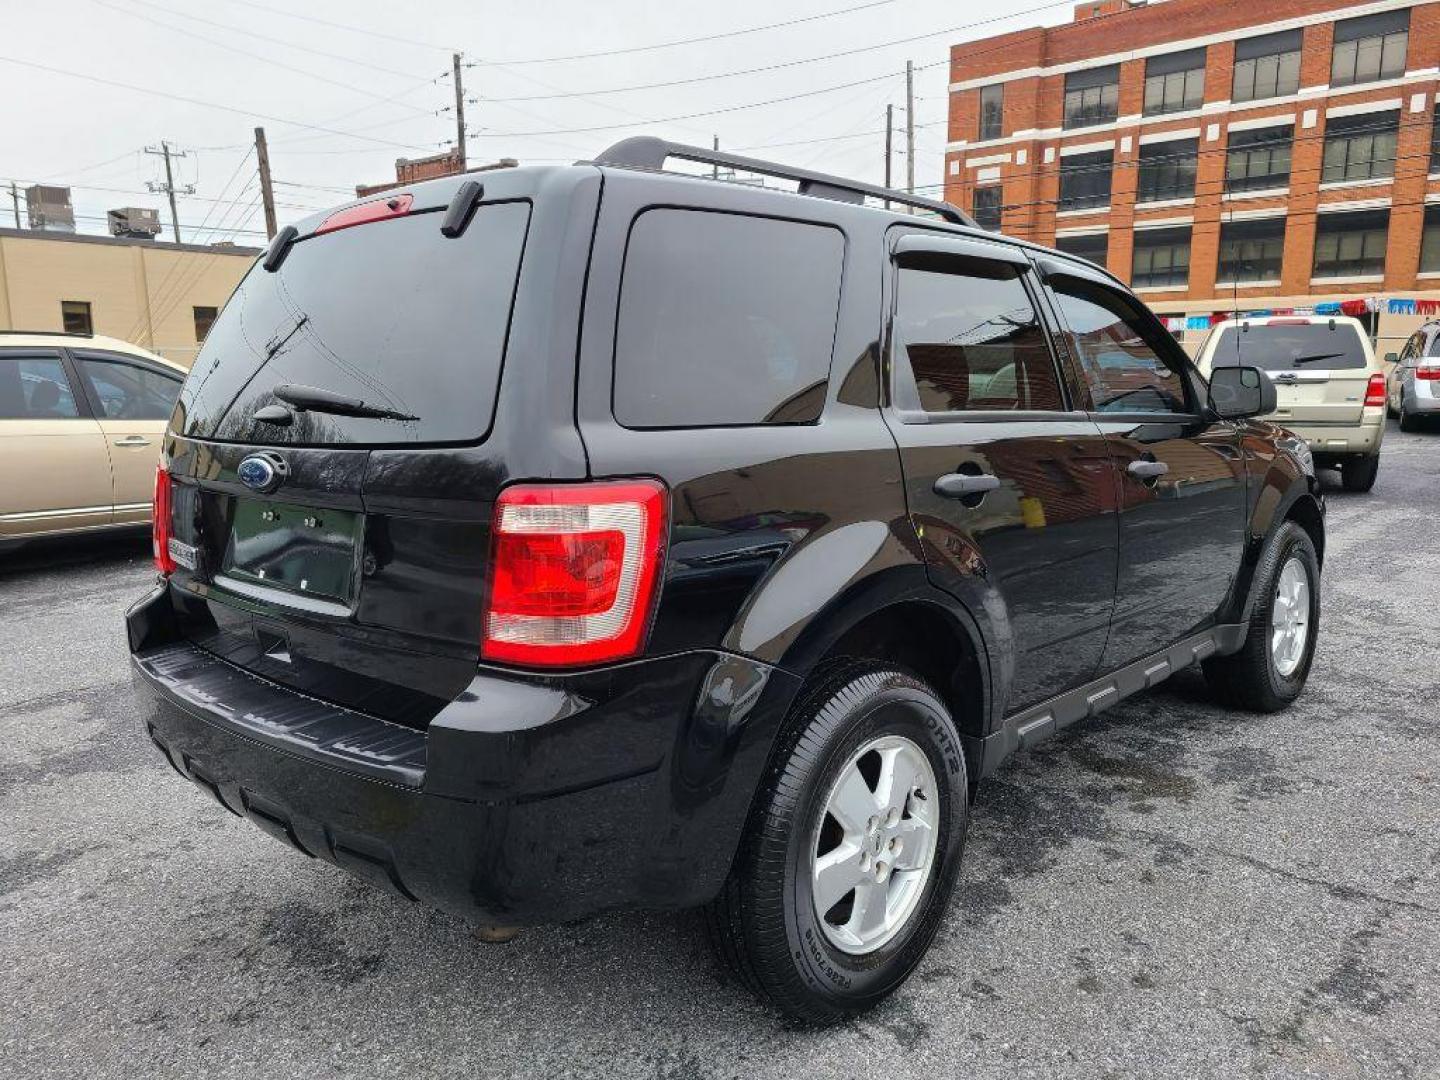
(725, 320)
(1291, 347)
(391, 313)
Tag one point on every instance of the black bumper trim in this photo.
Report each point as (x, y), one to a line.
(212, 690)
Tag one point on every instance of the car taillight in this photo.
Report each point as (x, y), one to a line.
(574, 572)
(160, 522)
(1375, 391)
(1430, 374)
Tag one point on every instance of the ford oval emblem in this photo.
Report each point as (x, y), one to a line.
(262, 472)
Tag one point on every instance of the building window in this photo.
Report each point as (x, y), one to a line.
(1259, 160)
(1430, 242)
(1369, 48)
(1085, 180)
(1095, 247)
(1167, 170)
(204, 319)
(1174, 82)
(1162, 258)
(75, 317)
(1351, 244)
(992, 111)
(1252, 250)
(985, 206)
(1267, 66)
(1360, 147)
(1092, 97)
(1435, 141)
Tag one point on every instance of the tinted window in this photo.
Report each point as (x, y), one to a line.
(34, 388)
(992, 111)
(1360, 147)
(1085, 180)
(1283, 347)
(1259, 159)
(1430, 241)
(1351, 244)
(970, 339)
(1252, 250)
(1119, 352)
(75, 317)
(1267, 66)
(1167, 170)
(725, 319)
(1369, 48)
(391, 313)
(1092, 96)
(1174, 82)
(1161, 258)
(986, 207)
(128, 391)
(1434, 346)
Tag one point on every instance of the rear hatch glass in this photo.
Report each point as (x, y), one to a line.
(390, 313)
(1291, 347)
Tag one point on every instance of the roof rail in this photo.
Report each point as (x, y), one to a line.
(649, 152)
(49, 333)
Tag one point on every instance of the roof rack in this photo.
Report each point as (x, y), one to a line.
(649, 152)
(49, 333)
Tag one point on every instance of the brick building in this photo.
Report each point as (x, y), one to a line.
(1215, 153)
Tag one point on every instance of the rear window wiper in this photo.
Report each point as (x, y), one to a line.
(313, 399)
(1316, 356)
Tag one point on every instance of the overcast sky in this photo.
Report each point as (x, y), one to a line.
(365, 75)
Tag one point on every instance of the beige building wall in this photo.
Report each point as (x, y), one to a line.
(138, 290)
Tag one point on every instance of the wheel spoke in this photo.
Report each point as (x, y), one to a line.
(853, 803)
(898, 773)
(914, 835)
(868, 916)
(836, 873)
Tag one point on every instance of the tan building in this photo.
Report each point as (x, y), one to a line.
(162, 297)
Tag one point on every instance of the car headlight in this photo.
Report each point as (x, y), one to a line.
(1301, 451)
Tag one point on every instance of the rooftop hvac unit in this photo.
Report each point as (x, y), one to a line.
(49, 208)
(139, 222)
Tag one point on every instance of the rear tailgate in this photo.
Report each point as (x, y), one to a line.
(1320, 368)
(347, 558)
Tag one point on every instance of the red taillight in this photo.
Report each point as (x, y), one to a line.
(574, 570)
(1375, 391)
(160, 522)
(1430, 374)
(376, 210)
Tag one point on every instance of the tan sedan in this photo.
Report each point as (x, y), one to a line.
(81, 420)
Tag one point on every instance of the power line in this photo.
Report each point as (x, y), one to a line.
(256, 56)
(792, 63)
(382, 35)
(630, 50)
(254, 115)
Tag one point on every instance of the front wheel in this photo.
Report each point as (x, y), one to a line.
(852, 852)
(1269, 672)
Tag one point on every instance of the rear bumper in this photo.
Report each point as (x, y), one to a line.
(525, 801)
(1421, 397)
(1362, 438)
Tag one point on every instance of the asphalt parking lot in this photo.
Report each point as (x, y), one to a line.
(1168, 891)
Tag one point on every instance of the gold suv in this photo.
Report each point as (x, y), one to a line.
(81, 419)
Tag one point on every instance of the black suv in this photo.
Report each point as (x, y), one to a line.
(551, 540)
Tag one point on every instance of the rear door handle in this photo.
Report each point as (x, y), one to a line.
(958, 485)
(133, 440)
(1147, 470)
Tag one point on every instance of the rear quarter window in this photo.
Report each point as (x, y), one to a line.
(725, 320)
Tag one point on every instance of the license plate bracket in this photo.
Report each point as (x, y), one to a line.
(306, 550)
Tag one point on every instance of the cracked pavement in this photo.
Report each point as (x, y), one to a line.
(1166, 891)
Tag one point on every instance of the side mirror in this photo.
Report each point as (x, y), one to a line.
(1240, 392)
(1392, 357)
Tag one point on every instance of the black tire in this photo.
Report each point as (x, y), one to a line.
(763, 926)
(1250, 679)
(1408, 422)
(1359, 473)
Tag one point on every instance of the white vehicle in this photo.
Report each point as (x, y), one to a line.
(1330, 388)
(1415, 382)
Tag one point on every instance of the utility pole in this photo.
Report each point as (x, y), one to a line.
(889, 145)
(715, 169)
(267, 189)
(459, 113)
(910, 126)
(169, 186)
(15, 198)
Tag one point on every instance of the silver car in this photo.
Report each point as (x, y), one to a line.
(1414, 393)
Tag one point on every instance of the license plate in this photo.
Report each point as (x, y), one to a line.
(300, 549)
(183, 554)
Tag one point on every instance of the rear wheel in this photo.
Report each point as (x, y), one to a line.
(1358, 474)
(852, 853)
(1408, 422)
(1270, 671)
